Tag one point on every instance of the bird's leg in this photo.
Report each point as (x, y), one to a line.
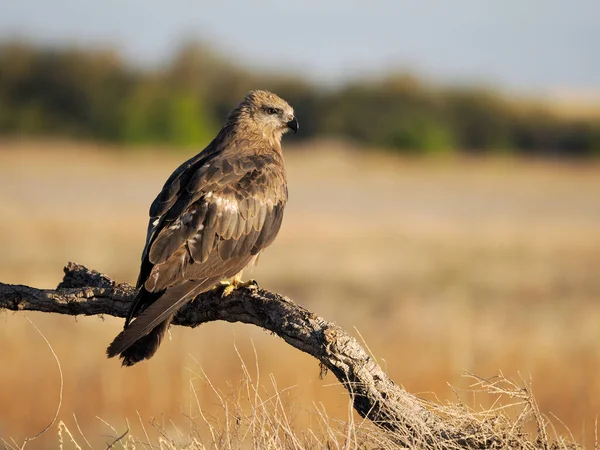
(236, 282)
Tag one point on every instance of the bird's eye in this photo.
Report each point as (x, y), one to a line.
(271, 111)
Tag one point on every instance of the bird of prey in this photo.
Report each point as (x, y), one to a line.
(213, 217)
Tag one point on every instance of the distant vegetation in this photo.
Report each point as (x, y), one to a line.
(95, 94)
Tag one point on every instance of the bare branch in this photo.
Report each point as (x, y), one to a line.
(411, 420)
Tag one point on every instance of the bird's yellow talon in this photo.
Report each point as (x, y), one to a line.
(229, 288)
(251, 284)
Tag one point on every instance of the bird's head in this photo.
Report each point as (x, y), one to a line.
(269, 113)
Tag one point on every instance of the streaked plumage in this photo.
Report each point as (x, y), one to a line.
(214, 215)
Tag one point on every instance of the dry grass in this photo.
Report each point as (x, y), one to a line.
(249, 415)
(443, 266)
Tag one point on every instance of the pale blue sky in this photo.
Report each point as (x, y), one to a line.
(528, 45)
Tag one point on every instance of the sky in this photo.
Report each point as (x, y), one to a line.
(525, 45)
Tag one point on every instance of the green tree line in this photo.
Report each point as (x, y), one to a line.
(96, 94)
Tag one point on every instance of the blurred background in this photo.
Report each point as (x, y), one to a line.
(444, 194)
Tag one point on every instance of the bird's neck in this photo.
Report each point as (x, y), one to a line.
(240, 127)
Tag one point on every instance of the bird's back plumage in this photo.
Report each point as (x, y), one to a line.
(214, 214)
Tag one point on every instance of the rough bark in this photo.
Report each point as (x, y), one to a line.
(375, 395)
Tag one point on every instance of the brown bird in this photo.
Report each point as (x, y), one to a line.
(213, 217)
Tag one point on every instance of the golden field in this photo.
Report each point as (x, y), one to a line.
(442, 265)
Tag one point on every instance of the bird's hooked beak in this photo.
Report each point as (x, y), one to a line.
(293, 124)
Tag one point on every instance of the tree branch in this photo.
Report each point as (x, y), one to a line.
(411, 420)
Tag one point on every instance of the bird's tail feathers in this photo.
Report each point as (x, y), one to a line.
(141, 338)
(142, 348)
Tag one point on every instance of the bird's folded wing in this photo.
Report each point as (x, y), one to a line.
(232, 207)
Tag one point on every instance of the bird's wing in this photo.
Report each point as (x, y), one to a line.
(208, 224)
